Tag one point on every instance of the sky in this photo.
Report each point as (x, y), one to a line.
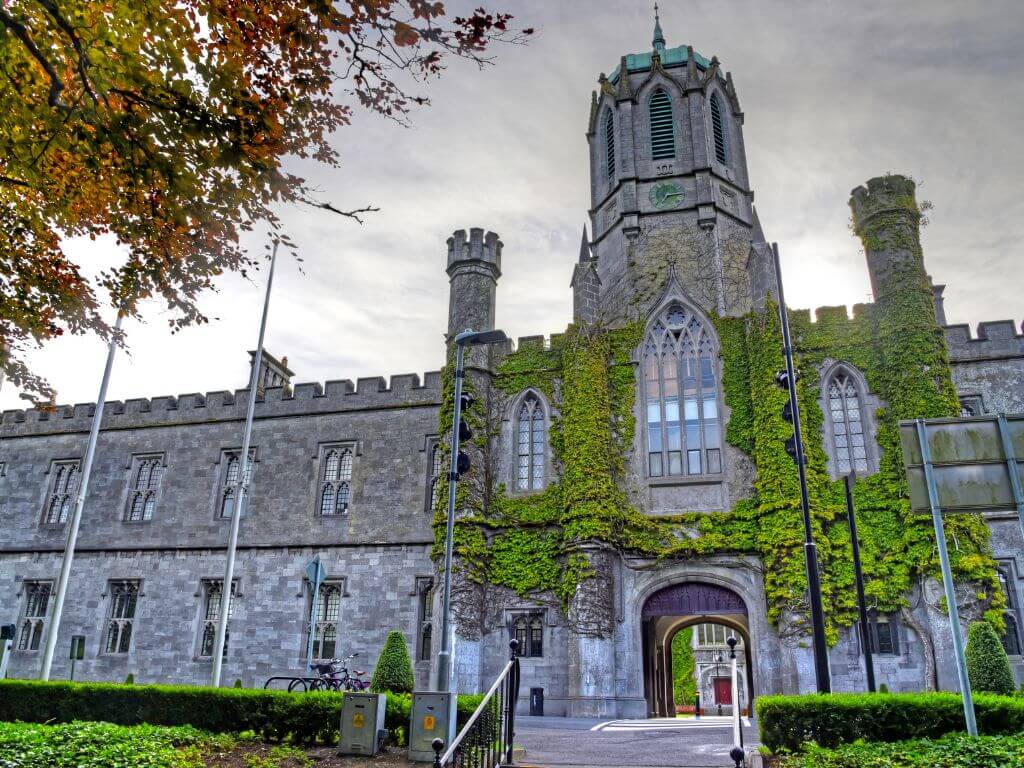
(833, 93)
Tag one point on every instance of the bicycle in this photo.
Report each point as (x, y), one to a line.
(334, 675)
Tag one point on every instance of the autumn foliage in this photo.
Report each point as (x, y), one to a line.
(167, 123)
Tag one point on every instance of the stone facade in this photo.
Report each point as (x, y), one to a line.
(680, 230)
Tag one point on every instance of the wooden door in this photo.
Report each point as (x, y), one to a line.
(723, 690)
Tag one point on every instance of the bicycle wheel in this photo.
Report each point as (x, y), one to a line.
(319, 684)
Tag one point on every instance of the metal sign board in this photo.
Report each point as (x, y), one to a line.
(977, 463)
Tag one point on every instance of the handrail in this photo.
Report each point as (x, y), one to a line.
(493, 739)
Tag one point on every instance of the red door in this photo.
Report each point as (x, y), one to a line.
(723, 690)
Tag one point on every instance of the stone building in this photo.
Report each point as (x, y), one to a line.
(629, 475)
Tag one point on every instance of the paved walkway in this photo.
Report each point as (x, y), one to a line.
(557, 742)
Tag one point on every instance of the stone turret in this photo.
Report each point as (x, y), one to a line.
(888, 222)
(586, 285)
(474, 266)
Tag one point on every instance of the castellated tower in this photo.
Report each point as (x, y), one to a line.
(670, 195)
(474, 266)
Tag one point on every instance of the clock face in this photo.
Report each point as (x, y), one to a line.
(666, 194)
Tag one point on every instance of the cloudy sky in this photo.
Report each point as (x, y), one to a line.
(833, 93)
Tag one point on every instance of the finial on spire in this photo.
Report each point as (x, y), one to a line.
(659, 38)
(585, 255)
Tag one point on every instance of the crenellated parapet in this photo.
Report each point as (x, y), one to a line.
(995, 340)
(372, 393)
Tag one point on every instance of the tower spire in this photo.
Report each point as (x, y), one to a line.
(659, 38)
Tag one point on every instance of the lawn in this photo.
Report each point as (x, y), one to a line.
(103, 745)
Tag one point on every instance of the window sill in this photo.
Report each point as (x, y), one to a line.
(658, 482)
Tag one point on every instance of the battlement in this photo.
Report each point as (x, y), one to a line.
(368, 393)
(996, 339)
(883, 194)
(477, 248)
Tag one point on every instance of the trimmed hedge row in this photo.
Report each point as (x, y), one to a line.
(273, 715)
(786, 722)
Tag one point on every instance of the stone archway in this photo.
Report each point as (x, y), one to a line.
(674, 608)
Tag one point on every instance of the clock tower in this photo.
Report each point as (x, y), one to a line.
(671, 204)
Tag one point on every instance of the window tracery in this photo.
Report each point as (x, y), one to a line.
(681, 395)
(530, 441)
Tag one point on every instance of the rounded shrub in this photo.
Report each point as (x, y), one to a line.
(987, 664)
(394, 667)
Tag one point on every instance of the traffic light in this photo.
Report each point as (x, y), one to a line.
(782, 381)
(462, 462)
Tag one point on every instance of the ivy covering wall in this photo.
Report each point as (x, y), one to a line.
(536, 544)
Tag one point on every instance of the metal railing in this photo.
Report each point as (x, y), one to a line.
(486, 739)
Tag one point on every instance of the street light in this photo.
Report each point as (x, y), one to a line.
(737, 726)
(465, 339)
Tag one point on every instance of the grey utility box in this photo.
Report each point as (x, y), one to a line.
(362, 723)
(433, 717)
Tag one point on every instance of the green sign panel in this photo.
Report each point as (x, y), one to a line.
(977, 463)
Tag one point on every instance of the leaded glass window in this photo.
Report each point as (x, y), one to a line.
(681, 393)
(718, 130)
(530, 444)
(233, 484)
(145, 485)
(663, 134)
(66, 476)
(328, 613)
(609, 145)
(1011, 618)
(425, 615)
(336, 483)
(528, 632)
(847, 419)
(213, 598)
(37, 608)
(434, 476)
(124, 596)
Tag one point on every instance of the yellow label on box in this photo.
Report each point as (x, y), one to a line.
(428, 723)
(357, 720)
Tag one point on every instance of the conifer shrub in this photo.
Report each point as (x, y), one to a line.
(394, 667)
(987, 664)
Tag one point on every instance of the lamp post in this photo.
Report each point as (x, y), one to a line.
(821, 669)
(737, 726)
(465, 339)
(718, 673)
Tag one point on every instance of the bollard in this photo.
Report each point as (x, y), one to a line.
(438, 745)
(736, 753)
(696, 706)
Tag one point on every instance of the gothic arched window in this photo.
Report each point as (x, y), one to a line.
(681, 393)
(846, 414)
(718, 130)
(530, 440)
(435, 475)
(146, 483)
(609, 145)
(662, 124)
(336, 485)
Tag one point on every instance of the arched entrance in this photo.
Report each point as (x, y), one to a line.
(671, 610)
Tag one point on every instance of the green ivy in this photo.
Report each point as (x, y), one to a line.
(532, 543)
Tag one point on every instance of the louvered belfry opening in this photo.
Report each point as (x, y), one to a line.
(663, 134)
(718, 128)
(609, 142)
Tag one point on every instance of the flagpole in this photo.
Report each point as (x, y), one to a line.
(243, 487)
(76, 515)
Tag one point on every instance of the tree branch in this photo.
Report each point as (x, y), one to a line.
(83, 59)
(353, 214)
(13, 182)
(21, 32)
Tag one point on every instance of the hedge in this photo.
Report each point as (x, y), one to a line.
(786, 722)
(393, 672)
(954, 750)
(271, 715)
(988, 667)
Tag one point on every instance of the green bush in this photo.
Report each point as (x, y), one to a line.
(987, 664)
(787, 722)
(394, 667)
(270, 715)
(951, 751)
(102, 745)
